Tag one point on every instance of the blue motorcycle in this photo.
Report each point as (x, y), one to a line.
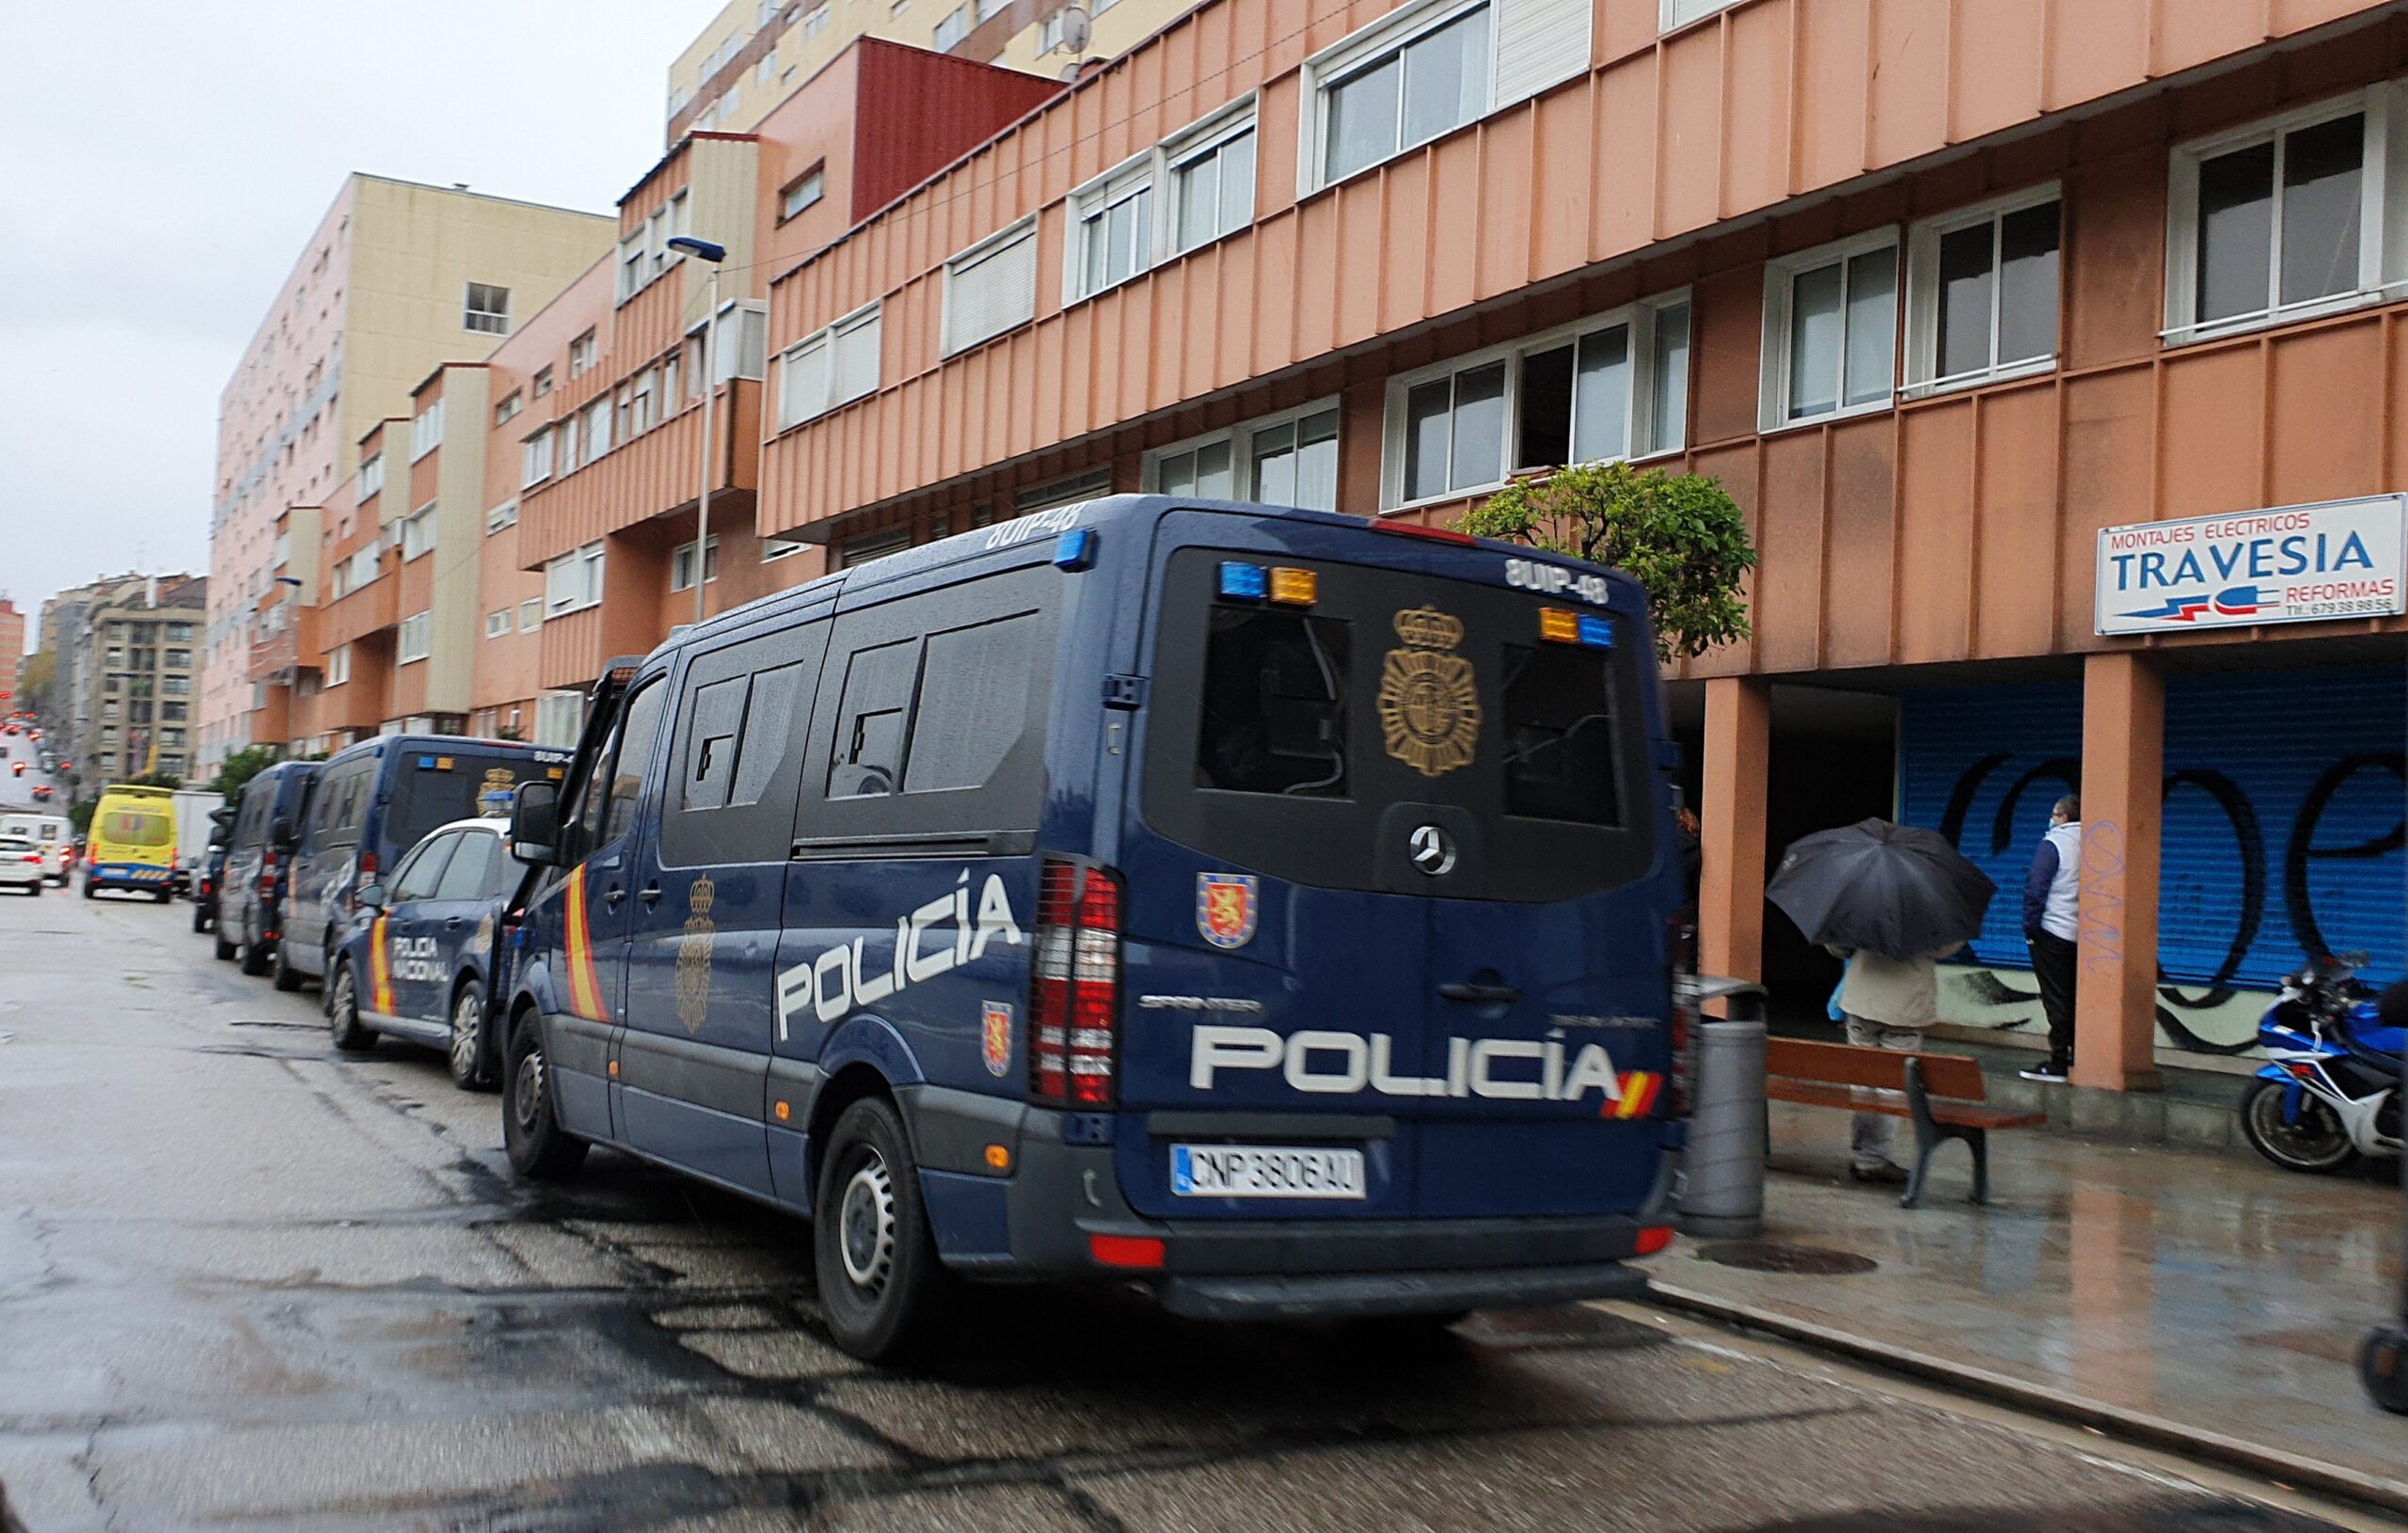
(2329, 1092)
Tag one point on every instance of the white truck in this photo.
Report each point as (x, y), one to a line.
(192, 809)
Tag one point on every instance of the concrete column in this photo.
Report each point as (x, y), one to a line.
(1731, 892)
(2123, 770)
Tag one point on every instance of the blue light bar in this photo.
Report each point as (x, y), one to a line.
(1597, 633)
(1247, 582)
(426, 764)
(1075, 550)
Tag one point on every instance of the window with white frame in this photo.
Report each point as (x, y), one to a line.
(530, 614)
(869, 545)
(486, 309)
(740, 341)
(1212, 178)
(417, 631)
(1678, 13)
(543, 383)
(681, 564)
(426, 431)
(1424, 71)
(560, 717)
(815, 20)
(988, 11)
(1831, 330)
(802, 192)
(372, 475)
(507, 410)
(953, 27)
(582, 355)
(1603, 388)
(1288, 459)
(535, 459)
(597, 430)
(337, 668)
(643, 399)
(635, 273)
(2284, 218)
(1112, 229)
(500, 517)
(497, 623)
(773, 550)
(366, 564)
(990, 288)
(1982, 292)
(828, 368)
(418, 533)
(573, 581)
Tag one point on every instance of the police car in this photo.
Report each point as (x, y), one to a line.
(1262, 906)
(420, 959)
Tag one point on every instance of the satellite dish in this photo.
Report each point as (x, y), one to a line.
(1076, 29)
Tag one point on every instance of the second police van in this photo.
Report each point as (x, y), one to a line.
(1262, 906)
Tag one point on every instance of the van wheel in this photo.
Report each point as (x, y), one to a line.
(87, 890)
(199, 917)
(879, 1275)
(342, 1015)
(287, 977)
(468, 1047)
(162, 896)
(224, 947)
(254, 957)
(539, 1147)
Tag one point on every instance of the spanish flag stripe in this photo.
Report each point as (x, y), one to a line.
(584, 989)
(1638, 1094)
(380, 969)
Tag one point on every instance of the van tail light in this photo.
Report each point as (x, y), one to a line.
(1075, 996)
(267, 871)
(367, 876)
(1682, 944)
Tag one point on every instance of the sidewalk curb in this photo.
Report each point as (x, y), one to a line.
(2133, 1425)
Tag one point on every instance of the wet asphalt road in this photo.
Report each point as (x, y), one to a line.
(245, 1282)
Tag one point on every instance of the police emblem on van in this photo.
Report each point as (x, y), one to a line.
(995, 1037)
(694, 955)
(1226, 904)
(1429, 708)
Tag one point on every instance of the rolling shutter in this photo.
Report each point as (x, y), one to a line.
(991, 289)
(1539, 43)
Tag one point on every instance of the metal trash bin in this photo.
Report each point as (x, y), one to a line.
(2382, 1362)
(1720, 1190)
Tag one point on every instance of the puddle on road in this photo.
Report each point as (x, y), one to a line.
(1796, 1260)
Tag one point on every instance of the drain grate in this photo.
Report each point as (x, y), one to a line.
(1799, 1260)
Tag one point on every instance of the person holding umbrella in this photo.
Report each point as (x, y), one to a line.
(1892, 900)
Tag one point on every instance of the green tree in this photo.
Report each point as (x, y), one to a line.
(80, 815)
(156, 779)
(1681, 536)
(240, 768)
(34, 684)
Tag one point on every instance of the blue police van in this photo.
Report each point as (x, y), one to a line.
(1268, 909)
(374, 803)
(425, 949)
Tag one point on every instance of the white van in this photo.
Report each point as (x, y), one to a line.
(51, 833)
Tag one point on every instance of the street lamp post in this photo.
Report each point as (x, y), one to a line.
(705, 251)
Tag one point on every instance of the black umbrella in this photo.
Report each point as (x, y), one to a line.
(1891, 889)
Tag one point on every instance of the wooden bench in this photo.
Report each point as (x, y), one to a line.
(1943, 1094)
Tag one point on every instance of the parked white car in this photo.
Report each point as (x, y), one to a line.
(21, 865)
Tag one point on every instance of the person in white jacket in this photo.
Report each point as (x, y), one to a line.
(2051, 922)
(1888, 1004)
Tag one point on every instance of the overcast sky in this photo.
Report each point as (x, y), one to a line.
(172, 158)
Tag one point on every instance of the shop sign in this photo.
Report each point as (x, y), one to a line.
(2338, 559)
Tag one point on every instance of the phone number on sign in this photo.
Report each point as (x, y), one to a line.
(2363, 606)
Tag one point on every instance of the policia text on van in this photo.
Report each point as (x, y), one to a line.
(1259, 906)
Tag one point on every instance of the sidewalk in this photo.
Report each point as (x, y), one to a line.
(2198, 1300)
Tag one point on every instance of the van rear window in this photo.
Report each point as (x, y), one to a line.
(1559, 735)
(425, 796)
(128, 827)
(1274, 704)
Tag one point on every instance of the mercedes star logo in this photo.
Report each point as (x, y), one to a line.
(1433, 850)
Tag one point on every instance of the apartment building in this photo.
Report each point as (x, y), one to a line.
(127, 675)
(396, 279)
(12, 650)
(755, 52)
(536, 511)
(1944, 295)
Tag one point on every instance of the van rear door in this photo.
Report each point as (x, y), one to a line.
(1393, 886)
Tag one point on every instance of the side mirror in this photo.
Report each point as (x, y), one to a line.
(536, 824)
(370, 897)
(222, 817)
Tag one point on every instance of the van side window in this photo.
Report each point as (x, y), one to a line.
(610, 812)
(737, 760)
(869, 721)
(933, 720)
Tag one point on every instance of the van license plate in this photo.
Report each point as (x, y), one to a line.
(1265, 1171)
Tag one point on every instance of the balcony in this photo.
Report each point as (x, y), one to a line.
(648, 475)
(278, 659)
(368, 610)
